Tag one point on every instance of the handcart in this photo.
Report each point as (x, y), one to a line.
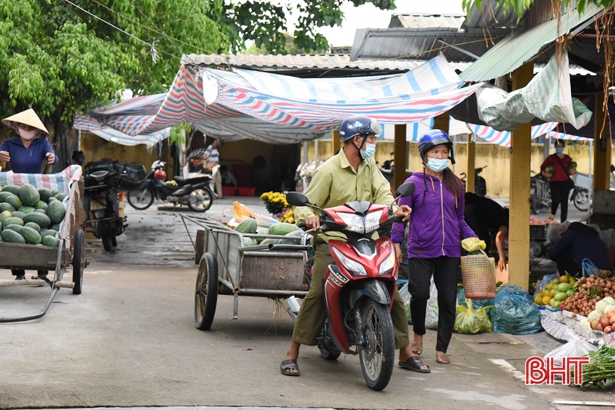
(70, 250)
(228, 267)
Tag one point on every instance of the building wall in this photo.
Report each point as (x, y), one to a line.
(494, 157)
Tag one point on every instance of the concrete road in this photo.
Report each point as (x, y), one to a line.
(129, 340)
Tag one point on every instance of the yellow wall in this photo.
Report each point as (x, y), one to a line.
(496, 159)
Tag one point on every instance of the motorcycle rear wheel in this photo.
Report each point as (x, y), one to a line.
(200, 200)
(378, 356)
(106, 241)
(141, 200)
(581, 200)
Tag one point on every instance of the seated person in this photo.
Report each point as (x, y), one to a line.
(489, 220)
(577, 243)
(228, 179)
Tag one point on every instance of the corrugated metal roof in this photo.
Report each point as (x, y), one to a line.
(427, 20)
(319, 61)
(516, 49)
(423, 43)
(492, 16)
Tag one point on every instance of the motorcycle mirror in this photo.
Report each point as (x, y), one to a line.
(406, 189)
(297, 199)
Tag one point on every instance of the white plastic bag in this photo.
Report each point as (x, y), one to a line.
(574, 348)
(431, 315)
(405, 296)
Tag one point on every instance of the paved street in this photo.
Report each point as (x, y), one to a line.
(129, 340)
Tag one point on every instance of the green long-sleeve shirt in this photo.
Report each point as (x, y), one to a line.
(336, 182)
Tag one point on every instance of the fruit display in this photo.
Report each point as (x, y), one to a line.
(591, 291)
(30, 216)
(557, 291)
(602, 318)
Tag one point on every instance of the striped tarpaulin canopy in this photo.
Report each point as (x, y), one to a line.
(502, 138)
(282, 109)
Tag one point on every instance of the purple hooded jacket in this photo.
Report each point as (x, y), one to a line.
(437, 225)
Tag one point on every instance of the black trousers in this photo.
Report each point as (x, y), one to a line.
(565, 264)
(559, 196)
(17, 272)
(444, 271)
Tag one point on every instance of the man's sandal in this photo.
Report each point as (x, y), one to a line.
(415, 364)
(287, 367)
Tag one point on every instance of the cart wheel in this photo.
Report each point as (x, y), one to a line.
(206, 295)
(78, 262)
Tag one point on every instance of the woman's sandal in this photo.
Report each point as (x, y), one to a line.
(417, 348)
(442, 358)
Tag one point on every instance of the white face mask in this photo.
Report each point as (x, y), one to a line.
(28, 135)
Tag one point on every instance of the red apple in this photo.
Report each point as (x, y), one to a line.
(608, 330)
(604, 321)
(599, 327)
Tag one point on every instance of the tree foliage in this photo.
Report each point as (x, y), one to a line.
(521, 6)
(60, 57)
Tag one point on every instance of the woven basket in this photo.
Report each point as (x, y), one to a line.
(478, 275)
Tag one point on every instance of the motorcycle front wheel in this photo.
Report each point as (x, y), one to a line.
(200, 200)
(141, 199)
(581, 200)
(378, 355)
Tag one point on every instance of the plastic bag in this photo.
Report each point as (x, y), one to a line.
(243, 212)
(515, 312)
(476, 303)
(405, 296)
(574, 348)
(589, 268)
(431, 315)
(470, 321)
(545, 281)
(473, 244)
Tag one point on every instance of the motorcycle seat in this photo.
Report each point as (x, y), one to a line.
(182, 180)
(98, 176)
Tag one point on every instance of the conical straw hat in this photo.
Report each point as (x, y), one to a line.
(27, 117)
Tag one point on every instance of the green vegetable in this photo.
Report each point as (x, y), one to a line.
(8, 235)
(56, 211)
(601, 368)
(38, 218)
(29, 195)
(282, 228)
(247, 226)
(30, 235)
(51, 241)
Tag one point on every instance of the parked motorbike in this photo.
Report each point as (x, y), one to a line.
(359, 290)
(480, 185)
(387, 168)
(540, 193)
(581, 197)
(195, 192)
(102, 207)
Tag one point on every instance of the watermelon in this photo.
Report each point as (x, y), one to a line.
(282, 228)
(14, 220)
(5, 206)
(30, 235)
(247, 226)
(33, 226)
(60, 197)
(270, 240)
(4, 195)
(41, 205)
(29, 194)
(296, 234)
(18, 214)
(26, 209)
(56, 211)
(13, 189)
(48, 232)
(249, 242)
(45, 194)
(55, 227)
(38, 218)
(53, 192)
(4, 215)
(14, 201)
(9, 235)
(13, 227)
(51, 241)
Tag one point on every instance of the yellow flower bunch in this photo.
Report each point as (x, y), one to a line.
(275, 202)
(288, 217)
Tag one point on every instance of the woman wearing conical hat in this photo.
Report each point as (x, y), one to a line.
(26, 152)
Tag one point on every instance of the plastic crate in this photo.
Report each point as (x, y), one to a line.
(538, 232)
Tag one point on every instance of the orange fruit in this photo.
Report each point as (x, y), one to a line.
(546, 300)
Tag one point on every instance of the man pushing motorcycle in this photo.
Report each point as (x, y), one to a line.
(350, 175)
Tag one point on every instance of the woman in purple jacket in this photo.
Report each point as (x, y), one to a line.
(437, 227)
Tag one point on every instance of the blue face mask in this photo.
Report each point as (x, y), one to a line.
(437, 164)
(559, 150)
(370, 150)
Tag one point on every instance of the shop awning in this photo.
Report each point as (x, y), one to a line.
(519, 47)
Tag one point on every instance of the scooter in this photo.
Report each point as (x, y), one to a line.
(194, 192)
(540, 193)
(480, 185)
(359, 290)
(102, 207)
(387, 168)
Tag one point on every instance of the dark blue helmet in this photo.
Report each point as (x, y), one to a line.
(432, 138)
(359, 125)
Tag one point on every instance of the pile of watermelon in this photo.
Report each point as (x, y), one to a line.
(281, 229)
(30, 216)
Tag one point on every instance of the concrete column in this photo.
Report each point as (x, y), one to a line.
(335, 142)
(400, 156)
(470, 177)
(602, 147)
(519, 223)
(441, 122)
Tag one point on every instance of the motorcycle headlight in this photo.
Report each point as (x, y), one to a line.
(372, 221)
(386, 267)
(353, 222)
(354, 267)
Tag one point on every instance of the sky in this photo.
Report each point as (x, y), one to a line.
(369, 16)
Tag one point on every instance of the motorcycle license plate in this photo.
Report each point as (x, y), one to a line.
(96, 205)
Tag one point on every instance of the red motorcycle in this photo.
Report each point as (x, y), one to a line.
(359, 290)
